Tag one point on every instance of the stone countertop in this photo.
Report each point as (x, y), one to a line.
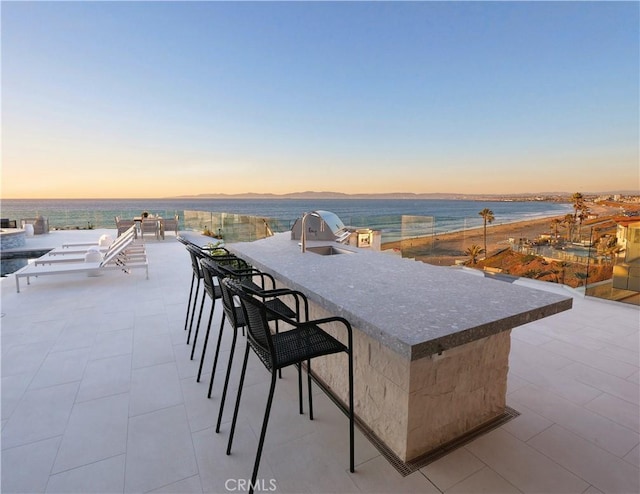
(413, 308)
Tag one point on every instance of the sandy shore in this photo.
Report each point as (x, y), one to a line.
(445, 249)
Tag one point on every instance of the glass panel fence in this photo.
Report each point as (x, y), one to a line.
(233, 227)
(598, 257)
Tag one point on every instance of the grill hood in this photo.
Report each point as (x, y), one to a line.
(321, 225)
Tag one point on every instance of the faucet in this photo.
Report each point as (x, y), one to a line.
(303, 230)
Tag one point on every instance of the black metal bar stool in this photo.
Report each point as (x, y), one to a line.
(304, 342)
(213, 289)
(211, 273)
(195, 279)
(235, 316)
(210, 289)
(194, 276)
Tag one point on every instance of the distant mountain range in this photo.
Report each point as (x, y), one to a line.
(404, 195)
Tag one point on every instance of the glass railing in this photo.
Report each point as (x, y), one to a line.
(591, 261)
(584, 257)
(85, 219)
(232, 227)
(242, 228)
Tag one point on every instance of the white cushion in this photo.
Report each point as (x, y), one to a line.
(93, 255)
(105, 240)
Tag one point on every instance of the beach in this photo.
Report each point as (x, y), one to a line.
(445, 249)
(447, 220)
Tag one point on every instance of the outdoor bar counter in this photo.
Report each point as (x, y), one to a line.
(431, 344)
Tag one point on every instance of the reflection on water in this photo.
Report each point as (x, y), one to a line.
(12, 265)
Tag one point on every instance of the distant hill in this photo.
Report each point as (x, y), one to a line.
(402, 195)
(336, 195)
(318, 195)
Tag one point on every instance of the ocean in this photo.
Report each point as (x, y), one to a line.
(430, 215)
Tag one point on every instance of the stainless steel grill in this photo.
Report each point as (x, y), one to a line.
(321, 225)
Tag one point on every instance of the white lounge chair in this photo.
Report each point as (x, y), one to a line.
(77, 247)
(78, 255)
(129, 254)
(115, 259)
(103, 241)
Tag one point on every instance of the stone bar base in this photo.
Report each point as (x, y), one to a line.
(416, 406)
(456, 392)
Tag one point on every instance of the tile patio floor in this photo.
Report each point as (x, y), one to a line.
(99, 395)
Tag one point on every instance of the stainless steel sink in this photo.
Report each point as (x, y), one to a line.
(328, 250)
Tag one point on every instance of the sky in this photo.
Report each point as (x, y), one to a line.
(161, 99)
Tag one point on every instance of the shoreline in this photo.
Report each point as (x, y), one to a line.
(446, 248)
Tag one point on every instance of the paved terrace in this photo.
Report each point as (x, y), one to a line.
(99, 395)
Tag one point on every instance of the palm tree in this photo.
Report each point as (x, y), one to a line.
(583, 213)
(568, 222)
(578, 201)
(555, 223)
(488, 217)
(473, 252)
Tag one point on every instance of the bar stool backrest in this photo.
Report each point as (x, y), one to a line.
(208, 279)
(255, 314)
(235, 316)
(196, 254)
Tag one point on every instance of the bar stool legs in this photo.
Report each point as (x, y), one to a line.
(215, 358)
(193, 309)
(263, 432)
(186, 321)
(206, 340)
(226, 380)
(195, 335)
(238, 398)
(265, 421)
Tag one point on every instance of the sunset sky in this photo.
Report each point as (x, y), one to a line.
(157, 99)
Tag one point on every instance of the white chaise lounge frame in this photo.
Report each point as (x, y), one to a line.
(67, 249)
(113, 260)
(132, 251)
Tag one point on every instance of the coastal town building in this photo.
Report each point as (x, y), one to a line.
(626, 274)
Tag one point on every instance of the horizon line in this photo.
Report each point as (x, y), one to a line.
(334, 195)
